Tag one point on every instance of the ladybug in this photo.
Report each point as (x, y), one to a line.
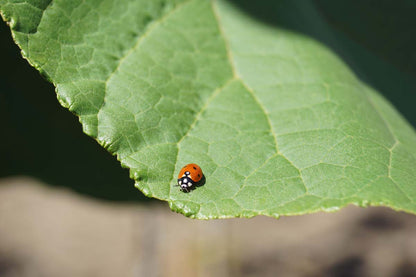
(189, 177)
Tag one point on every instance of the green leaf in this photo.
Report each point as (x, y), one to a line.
(278, 123)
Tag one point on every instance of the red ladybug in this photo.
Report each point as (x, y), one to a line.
(189, 177)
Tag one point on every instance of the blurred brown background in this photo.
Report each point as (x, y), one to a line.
(46, 231)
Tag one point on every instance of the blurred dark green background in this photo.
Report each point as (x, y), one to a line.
(377, 39)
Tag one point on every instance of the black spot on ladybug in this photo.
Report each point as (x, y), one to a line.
(199, 175)
(195, 169)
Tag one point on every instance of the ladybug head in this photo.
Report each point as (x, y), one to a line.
(185, 183)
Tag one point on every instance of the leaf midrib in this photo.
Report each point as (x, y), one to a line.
(251, 91)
